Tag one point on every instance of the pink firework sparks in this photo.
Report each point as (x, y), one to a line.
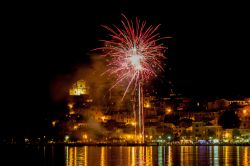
(132, 52)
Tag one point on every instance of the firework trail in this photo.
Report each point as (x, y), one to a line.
(133, 56)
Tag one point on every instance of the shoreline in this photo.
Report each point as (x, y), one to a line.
(124, 144)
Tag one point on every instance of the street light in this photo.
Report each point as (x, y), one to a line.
(244, 111)
(66, 138)
(168, 110)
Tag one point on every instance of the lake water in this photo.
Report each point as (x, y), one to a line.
(125, 155)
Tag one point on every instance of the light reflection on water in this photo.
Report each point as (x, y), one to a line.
(157, 155)
(125, 155)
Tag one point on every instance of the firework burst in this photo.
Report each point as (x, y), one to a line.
(133, 53)
(134, 56)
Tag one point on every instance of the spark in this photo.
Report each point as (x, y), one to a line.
(133, 56)
(133, 53)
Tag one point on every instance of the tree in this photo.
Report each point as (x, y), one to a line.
(186, 134)
(172, 119)
(229, 119)
(169, 135)
(185, 122)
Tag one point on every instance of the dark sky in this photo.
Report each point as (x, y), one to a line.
(208, 52)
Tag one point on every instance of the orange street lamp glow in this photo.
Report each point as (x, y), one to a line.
(54, 123)
(168, 110)
(85, 136)
(244, 111)
(133, 123)
(103, 118)
(70, 106)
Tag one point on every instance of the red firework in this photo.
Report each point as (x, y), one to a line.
(133, 53)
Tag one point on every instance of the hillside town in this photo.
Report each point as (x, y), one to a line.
(169, 120)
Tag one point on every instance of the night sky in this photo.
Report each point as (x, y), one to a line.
(208, 52)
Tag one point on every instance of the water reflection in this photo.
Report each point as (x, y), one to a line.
(246, 156)
(215, 152)
(160, 159)
(149, 154)
(157, 155)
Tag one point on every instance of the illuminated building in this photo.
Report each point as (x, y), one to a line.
(214, 132)
(228, 134)
(79, 88)
(218, 104)
(201, 131)
(223, 103)
(198, 130)
(239, 102)
(79, 97)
